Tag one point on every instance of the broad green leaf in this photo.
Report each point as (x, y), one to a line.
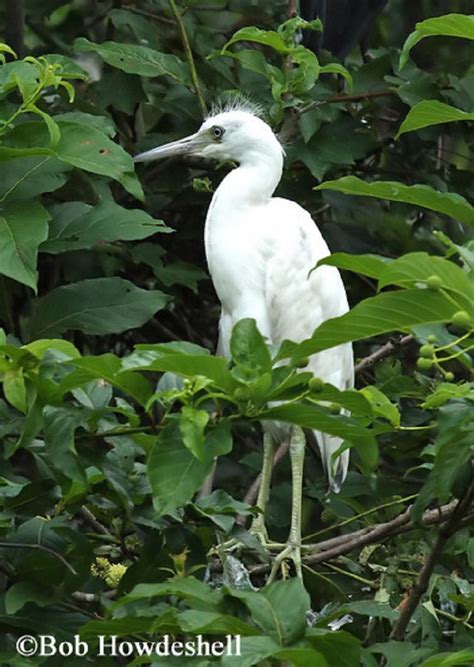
(82, 146)
(265, 37)
(96, 306)
(14, 388)
(320, 419)
(381, 405)
(186, 588)
(28, 177)
(76, 225)
(338, 648)
(107, 367)
(213, 623)
(431, 112)
(464, 657)
(367, 265)
(445, 392)
(60, 425)
(447, 203)
(389, 311)
(187, 365)
(23, 592)
(453, 451)
(175, 473)
(414, 269)
(248, 347)
(372, 608)
(135, 59)
(269, 609)
(23, 226)
(192, 424)
(449, 25)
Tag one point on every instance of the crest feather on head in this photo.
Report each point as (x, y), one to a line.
(237, 102)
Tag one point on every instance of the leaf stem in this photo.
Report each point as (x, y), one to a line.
(189, 56)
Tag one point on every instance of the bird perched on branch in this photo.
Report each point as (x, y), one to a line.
(260, 251)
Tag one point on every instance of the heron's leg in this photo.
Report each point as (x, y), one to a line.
(293, 545)
(258, 524)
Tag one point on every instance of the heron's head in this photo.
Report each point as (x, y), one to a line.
(236, 135)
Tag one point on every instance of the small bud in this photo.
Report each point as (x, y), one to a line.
(299, 363)
(316, 384)
(424, 364)
(242, 394)
(432, 338)
(427, 351)
(434, 282)
(462, 320)
(449, 377)
(335, 408)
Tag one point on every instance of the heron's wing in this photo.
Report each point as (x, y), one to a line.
(299, 300)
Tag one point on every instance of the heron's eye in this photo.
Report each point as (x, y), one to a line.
(217, 132)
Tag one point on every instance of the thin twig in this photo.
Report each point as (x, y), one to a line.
(383, 352)
(92, 521)
(420, 587)
(41, 547)
(344, 544)
(189, 56)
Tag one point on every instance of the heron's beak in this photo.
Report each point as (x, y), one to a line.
(185, 146)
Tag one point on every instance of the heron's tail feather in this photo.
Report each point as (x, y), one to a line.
(335, 468)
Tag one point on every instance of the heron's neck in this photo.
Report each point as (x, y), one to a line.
(250, 184)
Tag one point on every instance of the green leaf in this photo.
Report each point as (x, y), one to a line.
(96, 306)
(213, 623)
(186, 588)
(23, 226)
(60, 425)
(449, 25)
(269, 609)
(14, 388)
(265, 37)
(175, 473)
(192, 424)
(23, 592)
(381, 405)
(82, 146)
(135, 59)
(248, 347)
(107, 367)
(367, 265)
(431, 112)
(27, 177)
(320, 419)
(464, 657)
(389, 311)
(447, 203)
(76, 225)
(445, 392)
(416, 268)
(189, 365)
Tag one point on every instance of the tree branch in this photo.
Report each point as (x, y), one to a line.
(383, 352)
(421, 585)
(344, 544)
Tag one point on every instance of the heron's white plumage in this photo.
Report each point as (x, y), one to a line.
(261, 250)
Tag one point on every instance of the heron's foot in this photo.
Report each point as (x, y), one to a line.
(259, 530)
(291, 552)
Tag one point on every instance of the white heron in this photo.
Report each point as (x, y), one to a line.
(260, 251)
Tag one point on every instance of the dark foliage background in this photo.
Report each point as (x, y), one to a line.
(112, 407)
